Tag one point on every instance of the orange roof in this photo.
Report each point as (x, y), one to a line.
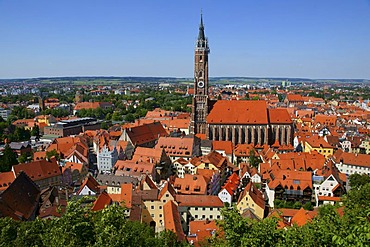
(199, 201)
(39, 155)
(74, 166)
(202, 229)
(293, 180)
(167, 187)
(303, 216)
(176, 146)
(145, 133)
(238, 112)
(172, 220)
(191, 184)
(318, 142)
(40, 169)
(294, 97)
(6, 178)
(243, 150)
(329, 198)
(352, 158)
(102, 201)
(151, 155)
(91, 183)
(125, 197)
(254, 193)
(226, 146)
(279, 116)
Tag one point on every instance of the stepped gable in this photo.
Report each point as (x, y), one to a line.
(21, 199)
(238, 112)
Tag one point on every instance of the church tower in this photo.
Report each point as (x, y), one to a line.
(200, 98)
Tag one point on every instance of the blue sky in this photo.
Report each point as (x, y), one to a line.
(264, 38)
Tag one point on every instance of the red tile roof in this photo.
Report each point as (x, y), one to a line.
(191, 185)
(226, 146)
(102, 201)
(279, 116)
(176, 146)
(303, 216)
(91, 183)
(201, 230)
(351, 158)
(172, 220)
(40, 169)
(238, 112)
(6, 178)
(199, 201)
(254, 193)
(145, 133)
(21, 199)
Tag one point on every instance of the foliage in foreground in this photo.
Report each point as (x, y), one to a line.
(79, 226)
(327, 229)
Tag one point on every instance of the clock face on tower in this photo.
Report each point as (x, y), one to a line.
(201, 84)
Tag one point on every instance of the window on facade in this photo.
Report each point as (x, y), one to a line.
(203, 216)
(160, 215)
(151, 207)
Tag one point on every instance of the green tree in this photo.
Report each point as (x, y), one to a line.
(52, 153)
(358, 180)
(254, 160)
(8, 159)
(35, 131)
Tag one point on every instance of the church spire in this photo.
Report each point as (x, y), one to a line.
(201, 35)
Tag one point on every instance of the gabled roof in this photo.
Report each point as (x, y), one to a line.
(21, 199)
(318, 142)
(191, 184)
(6, 178)
(226, 146)
(91, 183)
(145, 133)
(172, 220)
(176, 146)
(254, 193)
(151, 155)
(351, 158)
(279, 116)
(40, 169)
(199, 201)
(201, 229)
(238, 112)
(303, 216)
(231, 183)
(167, 187)
(102, 201)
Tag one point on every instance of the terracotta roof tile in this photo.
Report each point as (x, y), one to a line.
(172, 220)
(38, 170)
(199, 201)
(6, 178)
(102, 201)
(279, 116)
(240, 112)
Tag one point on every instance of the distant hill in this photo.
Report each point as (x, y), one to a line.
(134, 79)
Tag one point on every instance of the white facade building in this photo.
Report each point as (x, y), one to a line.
(107, 158)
